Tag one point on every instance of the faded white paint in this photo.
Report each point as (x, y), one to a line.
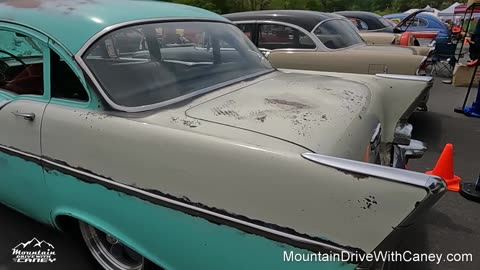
(218, 164)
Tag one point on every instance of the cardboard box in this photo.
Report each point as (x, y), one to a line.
(462, 74)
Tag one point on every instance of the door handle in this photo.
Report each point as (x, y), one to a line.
(26, 116)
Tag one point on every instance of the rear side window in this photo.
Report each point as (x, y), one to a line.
(338, 34)
(361, 25)
(149, 64)
(275, 36)
(248, 30)
(417, 22)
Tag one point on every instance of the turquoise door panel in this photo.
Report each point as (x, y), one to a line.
(22, 187)
(170, 238)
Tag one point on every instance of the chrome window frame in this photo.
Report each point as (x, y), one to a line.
(315, 40)
(79, 59)
(339, 49)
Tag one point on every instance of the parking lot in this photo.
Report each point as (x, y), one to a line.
(450, 227)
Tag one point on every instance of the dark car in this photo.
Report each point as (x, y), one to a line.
(368, 21)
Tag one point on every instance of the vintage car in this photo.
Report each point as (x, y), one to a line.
(376, 30)
(165, 136)
(422, 23)
(319, 41)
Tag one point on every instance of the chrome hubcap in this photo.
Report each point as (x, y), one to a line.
(110, 253)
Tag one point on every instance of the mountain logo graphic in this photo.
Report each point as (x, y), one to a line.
(34, 251)
(35, 243)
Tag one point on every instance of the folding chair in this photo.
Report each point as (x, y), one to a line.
(443, 60)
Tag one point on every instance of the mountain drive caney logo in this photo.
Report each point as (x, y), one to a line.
(34, 251)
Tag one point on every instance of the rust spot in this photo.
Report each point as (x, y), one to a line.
(358, 176)
(231, 113)
(293, 104)
(34, 4)
(191, 124)
(22, 3)
(369, 202)
(261, 118)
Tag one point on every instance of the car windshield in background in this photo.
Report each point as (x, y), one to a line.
(386, 23)
(149, 64)
(338, 34)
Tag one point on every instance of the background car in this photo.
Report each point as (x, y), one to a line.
(421, 21)
(368, 21)
(324, 42)
(376, 30)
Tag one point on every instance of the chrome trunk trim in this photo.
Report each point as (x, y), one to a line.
(432, 184)
(405, 77)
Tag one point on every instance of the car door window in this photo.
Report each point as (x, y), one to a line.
(274, 36)
(361, 25)
(417, 22)
(21, 64)
(64, 82)
(248, 29)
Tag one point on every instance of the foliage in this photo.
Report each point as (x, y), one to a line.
(378, 6)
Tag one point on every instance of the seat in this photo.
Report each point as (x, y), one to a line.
(28, 82)
(443, 60)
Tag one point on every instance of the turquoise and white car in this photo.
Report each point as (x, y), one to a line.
(166, 137)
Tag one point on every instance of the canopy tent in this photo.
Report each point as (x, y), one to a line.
(432, 11)
(450, 11)
(460, 10)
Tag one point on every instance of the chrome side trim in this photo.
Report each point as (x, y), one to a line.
(387, 173)
(103, 93)
(47, 163)
(3, 103)
(18, 152)
(191, 207)
(405, 77)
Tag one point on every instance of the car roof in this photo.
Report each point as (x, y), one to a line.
(359, 14)
(403, 15)
(370, 18)
(303, 18)
(73, 22)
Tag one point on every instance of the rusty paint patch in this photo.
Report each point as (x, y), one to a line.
(261, 118)
(231, 113)
(368, 202)
(187, 122)
(191, 123)
(37, 4)
(22, 3)
(358, 176)
(293, 104)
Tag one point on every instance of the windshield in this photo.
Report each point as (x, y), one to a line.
(153, 63)
(338, 34)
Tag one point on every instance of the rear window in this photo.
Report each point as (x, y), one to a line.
(153, 63)
(338, 34)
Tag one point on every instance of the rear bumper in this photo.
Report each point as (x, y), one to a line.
(403, 153)
(404, 147)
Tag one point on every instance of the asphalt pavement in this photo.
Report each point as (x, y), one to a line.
(451, 226)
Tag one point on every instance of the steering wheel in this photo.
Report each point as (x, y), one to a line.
(2, 75)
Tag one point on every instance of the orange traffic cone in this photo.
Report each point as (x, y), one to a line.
(444, 169)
